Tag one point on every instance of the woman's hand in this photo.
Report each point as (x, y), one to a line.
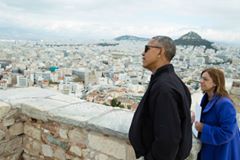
(199, 126)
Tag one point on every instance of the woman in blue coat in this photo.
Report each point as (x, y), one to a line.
(218, 128)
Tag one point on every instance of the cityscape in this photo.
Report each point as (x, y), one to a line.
(72, 76)
(109, 72)
(76, 101)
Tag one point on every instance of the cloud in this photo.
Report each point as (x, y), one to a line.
(215, 19)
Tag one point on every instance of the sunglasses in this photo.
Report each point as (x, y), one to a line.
(147, 47)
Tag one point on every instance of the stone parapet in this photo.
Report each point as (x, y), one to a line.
(11, 132)
(45, 125)
(48, 125)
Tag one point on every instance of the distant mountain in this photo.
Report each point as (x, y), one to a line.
(193, 39)
(131, 38)
(107, 44)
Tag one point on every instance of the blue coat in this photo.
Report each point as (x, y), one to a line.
(220, 136)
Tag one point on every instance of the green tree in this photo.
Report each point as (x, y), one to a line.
(105, 104)
(115, 103)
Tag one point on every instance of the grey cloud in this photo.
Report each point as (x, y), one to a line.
(111, 17)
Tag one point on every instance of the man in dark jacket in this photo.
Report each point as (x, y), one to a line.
(161, 126)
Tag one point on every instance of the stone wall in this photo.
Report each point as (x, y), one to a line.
(33, 139)
(52, 140)
(39, 124)
(11, 133)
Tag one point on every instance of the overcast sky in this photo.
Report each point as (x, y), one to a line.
(215, 20)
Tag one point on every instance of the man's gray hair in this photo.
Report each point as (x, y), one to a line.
(168, 44)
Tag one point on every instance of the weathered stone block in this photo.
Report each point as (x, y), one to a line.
(47, 150)
(2, 134)
(16, 155)
(11, 145)
(52, 140)
(116, 123)
(8, 122)
(34, 113)
(60, 154)
(77, 136)
(63, 133)
(86, 153)
(29, 157)
(76, 150)
(107, 145)
(92, 155)
(16, 129)
(13, 113)
(32, 132)
(4, 109)
(31, 146)
(78, 114)
(52, 128)
(101, 157)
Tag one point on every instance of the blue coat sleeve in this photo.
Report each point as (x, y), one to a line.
(224, 131)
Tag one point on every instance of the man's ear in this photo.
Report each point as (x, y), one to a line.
(160, 52)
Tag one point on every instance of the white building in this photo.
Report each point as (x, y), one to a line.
(22, 81)
(3, 84)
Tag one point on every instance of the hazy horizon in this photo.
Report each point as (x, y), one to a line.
(81, 20)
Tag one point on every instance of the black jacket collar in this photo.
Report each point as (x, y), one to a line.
(163, 69)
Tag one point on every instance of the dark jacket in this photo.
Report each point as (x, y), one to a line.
(220, 136)
(161, 126)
